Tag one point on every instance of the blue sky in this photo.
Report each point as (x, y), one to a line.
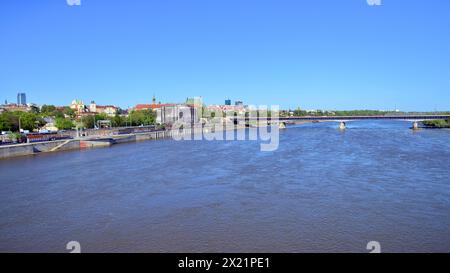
(324, 54)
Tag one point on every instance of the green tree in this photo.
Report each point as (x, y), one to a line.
(117, 121)
(58, 114)
(29, 121)
(14, 137)
(360, 113)
(91, 120)
(8, 122)
(298, 112)
(64, 124)
(69, 112)
(52, 111)
(88, 121)
(48, 110)
(437, 123)
(142, 117)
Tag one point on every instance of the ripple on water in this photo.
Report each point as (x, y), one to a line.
(322, 190)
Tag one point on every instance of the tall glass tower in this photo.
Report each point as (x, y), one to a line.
(21, 99)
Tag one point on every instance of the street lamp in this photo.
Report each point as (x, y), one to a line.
(129, 116)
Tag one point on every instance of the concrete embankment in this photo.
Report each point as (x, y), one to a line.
(8, 151)
(39, 147)
(16, 150)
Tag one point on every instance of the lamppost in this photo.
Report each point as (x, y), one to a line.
(129, 116)
(82, 124)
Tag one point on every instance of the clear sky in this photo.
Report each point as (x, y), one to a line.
(328, 54)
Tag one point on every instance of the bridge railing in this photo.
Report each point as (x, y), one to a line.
(337, 118)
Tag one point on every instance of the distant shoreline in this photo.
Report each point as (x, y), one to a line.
(435, 124)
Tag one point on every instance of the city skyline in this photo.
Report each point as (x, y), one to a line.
(226, 102)
(352, 56)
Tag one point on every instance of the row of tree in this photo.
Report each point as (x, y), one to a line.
(300, 112)
(437, 123)
(34, 119)
(65, 119)
(134, 118)
(52, 111)
(10, 121)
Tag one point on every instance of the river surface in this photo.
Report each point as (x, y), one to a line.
(323, 190)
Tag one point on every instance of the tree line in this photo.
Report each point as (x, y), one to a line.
(440, 123)
(300, 112)
(65, 119)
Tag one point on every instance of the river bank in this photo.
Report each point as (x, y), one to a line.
(436, 124)
(27, 149)
(105, 140)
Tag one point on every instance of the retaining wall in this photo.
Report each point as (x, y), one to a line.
(38, 147)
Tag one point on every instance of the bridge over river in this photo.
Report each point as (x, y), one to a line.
(342, 119)
(389, 117)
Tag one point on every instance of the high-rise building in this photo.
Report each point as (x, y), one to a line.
(238, 103)
(21, 99)
(227, 102)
